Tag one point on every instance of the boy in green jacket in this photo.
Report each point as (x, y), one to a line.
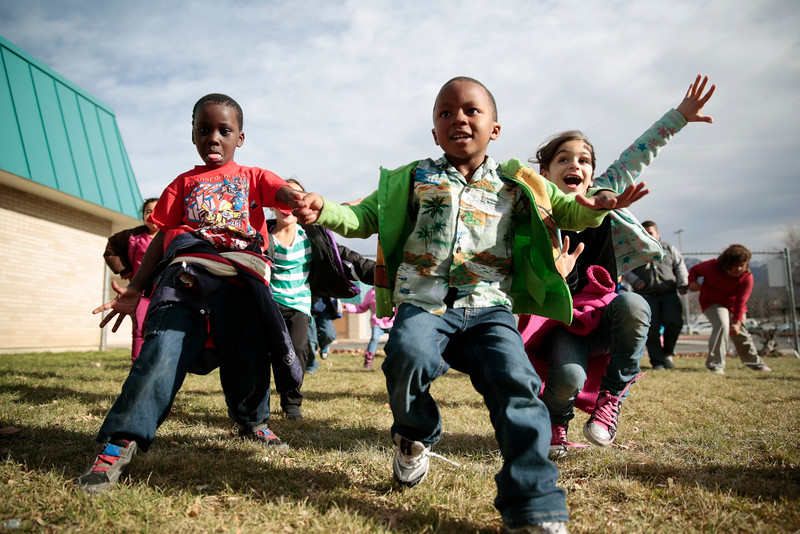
(452, 232)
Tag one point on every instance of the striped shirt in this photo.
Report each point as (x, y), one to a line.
(290, 273)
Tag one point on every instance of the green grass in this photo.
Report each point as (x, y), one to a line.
(695, 453)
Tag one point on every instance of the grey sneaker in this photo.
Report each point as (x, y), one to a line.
(108, 466)
(264, 435)
(411, 461)
(668, 362)
(550, 527)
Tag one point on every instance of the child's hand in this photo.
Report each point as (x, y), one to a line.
(567, 259)
(290, 196)
(609, 200)
(310, 208)
(125, 303)
(694, 286)
(692, 106)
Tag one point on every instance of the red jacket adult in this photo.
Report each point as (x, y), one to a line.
(730, 292)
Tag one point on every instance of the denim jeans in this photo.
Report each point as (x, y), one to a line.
(720, 319)
(174, 337)
(622, 333)
(322, 331)
(485, 344)
(666, 310)
(375, 338)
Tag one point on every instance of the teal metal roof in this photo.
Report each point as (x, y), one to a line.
(59, 136)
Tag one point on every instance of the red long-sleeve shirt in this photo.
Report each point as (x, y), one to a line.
(718, 288)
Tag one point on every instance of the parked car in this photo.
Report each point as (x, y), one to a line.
(785, 329)
(700, 326)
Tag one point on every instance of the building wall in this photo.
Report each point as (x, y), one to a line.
(51, 276)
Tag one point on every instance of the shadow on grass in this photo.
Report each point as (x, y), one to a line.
(178, 463)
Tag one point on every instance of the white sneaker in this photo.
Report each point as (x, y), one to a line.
(412, 460)
(550, 527)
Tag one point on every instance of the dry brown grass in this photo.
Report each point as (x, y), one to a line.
(695, 453)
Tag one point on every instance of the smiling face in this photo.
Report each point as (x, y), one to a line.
(216, 133)
(147, 210)
(571, 167)
(464, 123)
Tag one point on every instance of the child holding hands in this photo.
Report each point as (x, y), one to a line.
(446, 259)
(211, 283)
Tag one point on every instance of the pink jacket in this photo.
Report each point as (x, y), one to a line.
(369, 304)
(588, 307)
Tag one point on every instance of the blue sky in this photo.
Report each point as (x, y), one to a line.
(333, 90)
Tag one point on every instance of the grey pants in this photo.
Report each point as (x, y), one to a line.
(720, 319)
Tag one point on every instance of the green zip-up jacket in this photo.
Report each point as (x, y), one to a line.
(537, 286)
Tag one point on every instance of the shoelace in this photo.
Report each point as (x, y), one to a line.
(106, 459)
(413, 461)
(560, 438)
(607, 411)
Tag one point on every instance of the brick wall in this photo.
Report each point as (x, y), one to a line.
(51, 276)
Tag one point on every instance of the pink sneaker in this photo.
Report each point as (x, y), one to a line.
(601, 428)
(559, 443)
(368, 358)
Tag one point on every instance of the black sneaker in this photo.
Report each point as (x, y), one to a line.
(108, 466)
(263, 435)
(292, 412)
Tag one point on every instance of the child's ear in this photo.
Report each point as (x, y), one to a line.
(240, 142)
(495, 131)
(435, 139)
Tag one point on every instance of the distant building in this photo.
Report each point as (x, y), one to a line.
(65, 185)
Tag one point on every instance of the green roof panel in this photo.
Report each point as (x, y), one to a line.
(57, 135)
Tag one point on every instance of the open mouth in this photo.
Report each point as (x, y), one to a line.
(213, 156)
(573, 180)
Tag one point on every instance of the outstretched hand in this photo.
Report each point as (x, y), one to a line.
(567, 259)
(310, 208)
(692, 106)
(124, 303)
(609, 200)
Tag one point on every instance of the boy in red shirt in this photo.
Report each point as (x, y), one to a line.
(212, 280)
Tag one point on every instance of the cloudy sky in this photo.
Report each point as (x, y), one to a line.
(332, 90)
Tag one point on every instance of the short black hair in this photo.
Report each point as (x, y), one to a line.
(476, 82)
(225, 100)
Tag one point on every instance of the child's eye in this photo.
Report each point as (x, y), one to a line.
(473, 111)
(202, 131)
(224, 131)
(444, 114)
(584, 161)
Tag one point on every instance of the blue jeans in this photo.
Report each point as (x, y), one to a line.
(322, 331)
(174, 337)
(485, 344)
(622, 333)
(375, 338)
(667, 311)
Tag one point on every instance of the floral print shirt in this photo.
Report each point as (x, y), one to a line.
(460, 252)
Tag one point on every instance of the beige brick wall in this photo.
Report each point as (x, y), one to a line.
(51, 276)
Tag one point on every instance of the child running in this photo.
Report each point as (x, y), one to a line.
(307, 261)
(592, 362)
(724, 291)
(445, 259)
(211, 284)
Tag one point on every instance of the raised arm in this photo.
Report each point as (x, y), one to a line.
(641, 153)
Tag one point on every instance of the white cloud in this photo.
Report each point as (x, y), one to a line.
(333, 90)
